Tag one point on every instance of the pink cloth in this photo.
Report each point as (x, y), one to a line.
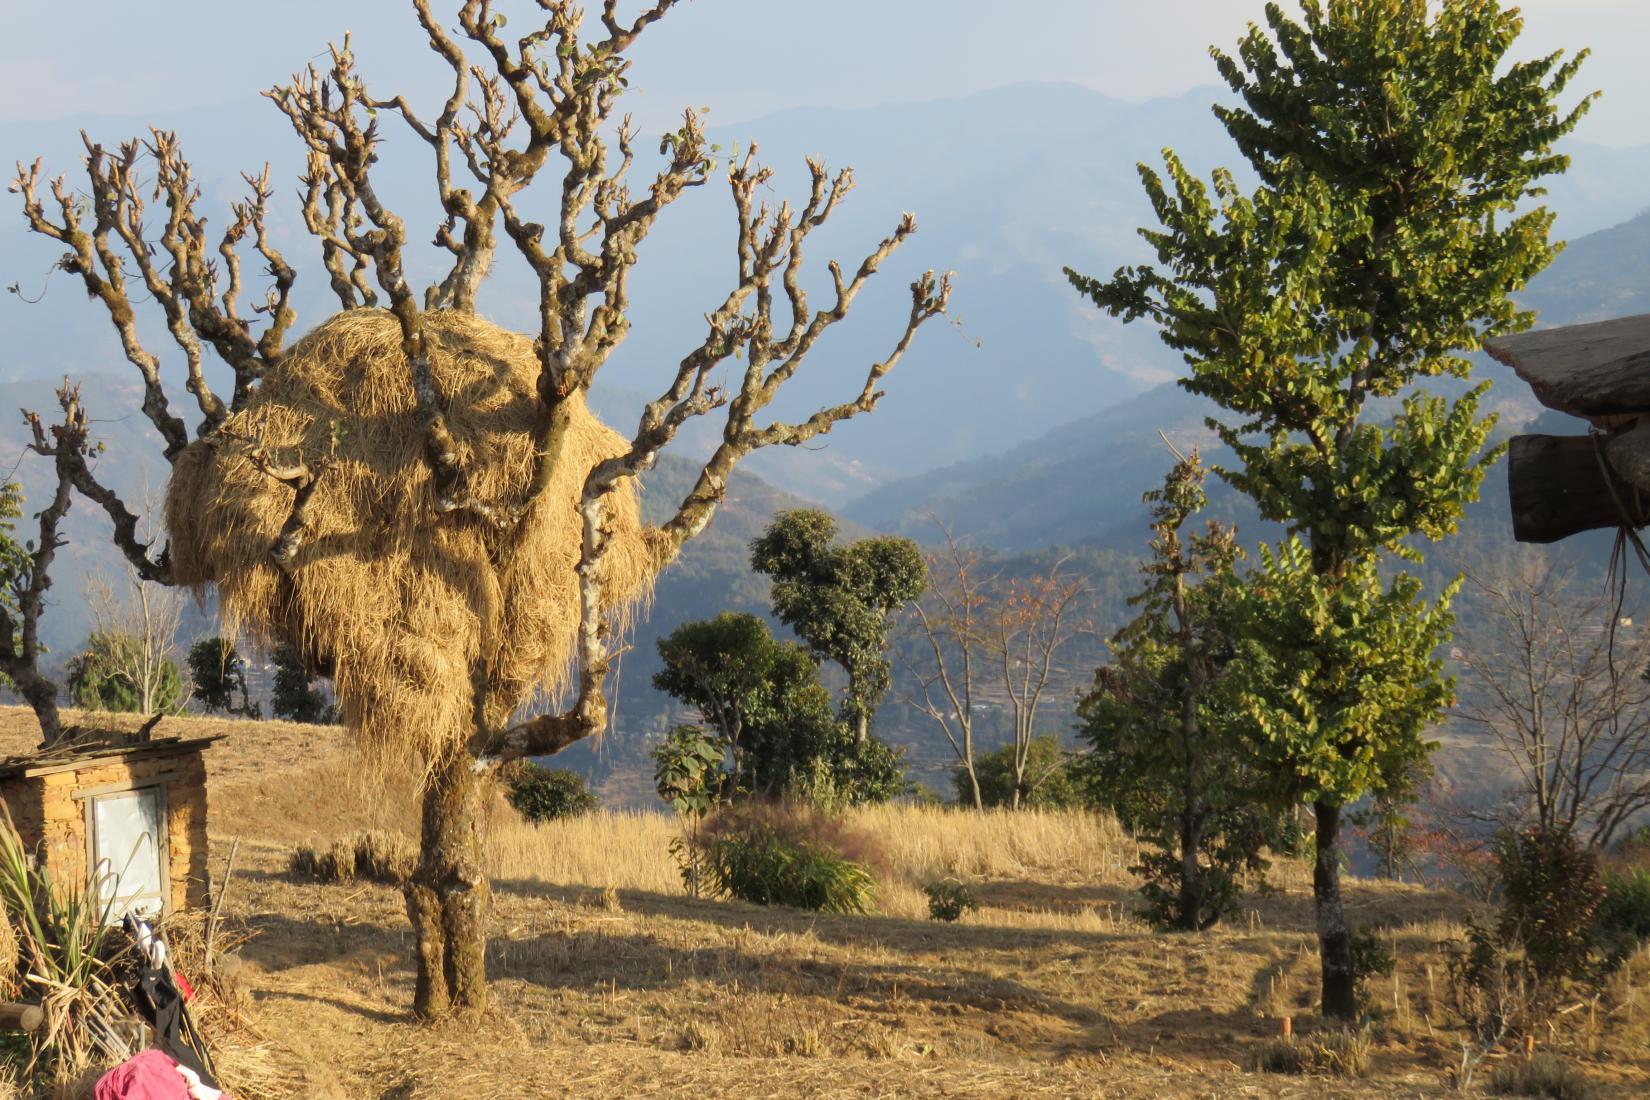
(151, 1075)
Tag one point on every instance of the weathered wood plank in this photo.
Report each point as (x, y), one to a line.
(1598, 369)
(1557, 488)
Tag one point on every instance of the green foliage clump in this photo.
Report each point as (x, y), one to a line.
(542, 794)
(1051, 781)
(687, 770)
(788, 855)
(840, 599)
(772, 716)
(1339, 1052)
(15, 562)
(1623, 917)
(1160, 727)
(1551, 893)
(98, 679)
(218, 674)
(949, 899)
(294, 698)
(1545, 1075)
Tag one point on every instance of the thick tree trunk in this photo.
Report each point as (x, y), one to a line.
(447, 895)
(1340, 999)
(974, 784)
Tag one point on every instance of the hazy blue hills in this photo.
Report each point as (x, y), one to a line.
(1007, 185)
(1081, 482)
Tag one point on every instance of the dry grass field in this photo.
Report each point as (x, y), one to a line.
(608, 981)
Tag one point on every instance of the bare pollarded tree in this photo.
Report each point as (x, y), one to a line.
(1560, 687)
(306, 456)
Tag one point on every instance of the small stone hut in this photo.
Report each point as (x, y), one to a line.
(131, 816)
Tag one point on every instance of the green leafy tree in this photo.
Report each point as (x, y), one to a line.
(15, 565)
(840, 600)
(219, 675)
(294, 697)
(1051, 782)
(100, 677)
(1163, 756)
(1395, 143)
(764, 699)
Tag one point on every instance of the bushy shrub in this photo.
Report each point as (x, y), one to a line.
(949, 899)
(543, 794)
(1623, 918)
(1551, 891)
(1543, 1075)
(1371, 957)
(788, 855)
(1054, 785)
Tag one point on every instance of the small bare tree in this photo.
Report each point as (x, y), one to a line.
(1034, 620)
(949, 619)
(1561, 688)
(985, 637)
(142, 625)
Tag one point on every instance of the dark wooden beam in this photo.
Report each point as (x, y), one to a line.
(1558, 488)
(1600, 369)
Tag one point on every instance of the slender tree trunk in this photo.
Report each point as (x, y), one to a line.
(1340, 999)
(862, 726)
(447, 895)
(974, 783)
(1191, 876)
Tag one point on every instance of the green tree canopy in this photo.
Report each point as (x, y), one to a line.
(219, 675)
(774, 717)
(101, 677)
(840, 599)
(1165, 755)
(1395, 142)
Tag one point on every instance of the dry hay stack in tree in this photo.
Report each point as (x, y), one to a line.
(419, 502)
(396, 603)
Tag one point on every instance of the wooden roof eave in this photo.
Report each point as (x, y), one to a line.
(35, 764)
(1600, 371)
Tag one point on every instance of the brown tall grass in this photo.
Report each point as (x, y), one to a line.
(919, 845)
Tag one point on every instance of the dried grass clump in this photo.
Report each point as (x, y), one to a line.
(1543, 1075)
(1342, 1052)
(375, 855)
(398, 603)
(334, 862)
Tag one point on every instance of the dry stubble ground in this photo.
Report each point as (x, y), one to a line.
(607, 981)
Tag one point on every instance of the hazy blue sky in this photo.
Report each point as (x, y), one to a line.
(743, 58)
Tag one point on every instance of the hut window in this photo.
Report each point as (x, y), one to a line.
(127, 837)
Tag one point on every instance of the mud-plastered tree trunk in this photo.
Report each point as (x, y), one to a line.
(448, 896)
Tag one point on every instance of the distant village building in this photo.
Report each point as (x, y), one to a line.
(129, 816)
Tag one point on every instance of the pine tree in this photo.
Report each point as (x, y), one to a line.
(1394, 142)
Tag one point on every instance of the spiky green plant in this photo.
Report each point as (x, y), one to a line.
(62, 933)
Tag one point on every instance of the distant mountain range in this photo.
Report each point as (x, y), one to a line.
(1007, 185)
(1081, 482)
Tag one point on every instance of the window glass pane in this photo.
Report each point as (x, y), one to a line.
(126, 829)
